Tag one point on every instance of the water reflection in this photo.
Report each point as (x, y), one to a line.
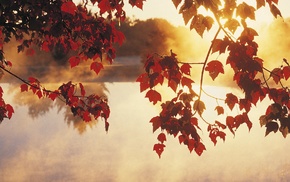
(40, 107)
(45, 149)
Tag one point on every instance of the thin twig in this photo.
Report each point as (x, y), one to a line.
(205, 61)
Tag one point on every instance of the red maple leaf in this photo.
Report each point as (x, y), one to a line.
(220, 125)
(96, 66)
(231, 100)
(104, 6)
(181, 139)
(286, 72)
(156, 122)
(214, 68)
(24, 87)
(190, 144)
(219, 109)
(277, 75)
(86, 116)
(53, 95)
(245, 104)
(137, 3)
(230, 121)
(74, 61)
(144, 81)
(200, 148)
(159, 148)
(173, 85)
(220, 45)
(153, 96)
(186, 81)
(214, 133)
(10, 110)
(271, 126)
(185, 68)
(161, 137)
(119, 37)
(69, 7)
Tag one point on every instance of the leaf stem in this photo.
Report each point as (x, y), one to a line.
(205, 61)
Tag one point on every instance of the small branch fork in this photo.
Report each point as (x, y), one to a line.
(34, 86)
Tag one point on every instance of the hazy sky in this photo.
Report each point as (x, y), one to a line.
(166, 9)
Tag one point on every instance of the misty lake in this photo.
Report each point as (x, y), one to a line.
(47, 146)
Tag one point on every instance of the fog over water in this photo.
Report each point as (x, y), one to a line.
(47, 149)
(43, 142)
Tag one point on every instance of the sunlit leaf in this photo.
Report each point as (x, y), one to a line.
(153, 96)
(69, 7)
(188, 13)
(53, 95)
(286, 72)
(200, 148)
(277, 75)
(24, 87)
(86, 116)
(185, 68)
(214, 68)
(186, 82)
(231, 100)
(232, 25)
(199, 106)
(96, 66)
(74, 61)
(275, 11)
(220, 45)
(219, 109)
(144, 82)
(198, 24)
(176, 3)
(137, 3)
(246, 11)
(260, 3)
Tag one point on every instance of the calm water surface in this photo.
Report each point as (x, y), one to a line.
(44, 147)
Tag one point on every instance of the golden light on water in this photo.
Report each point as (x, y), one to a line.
(47, 149)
